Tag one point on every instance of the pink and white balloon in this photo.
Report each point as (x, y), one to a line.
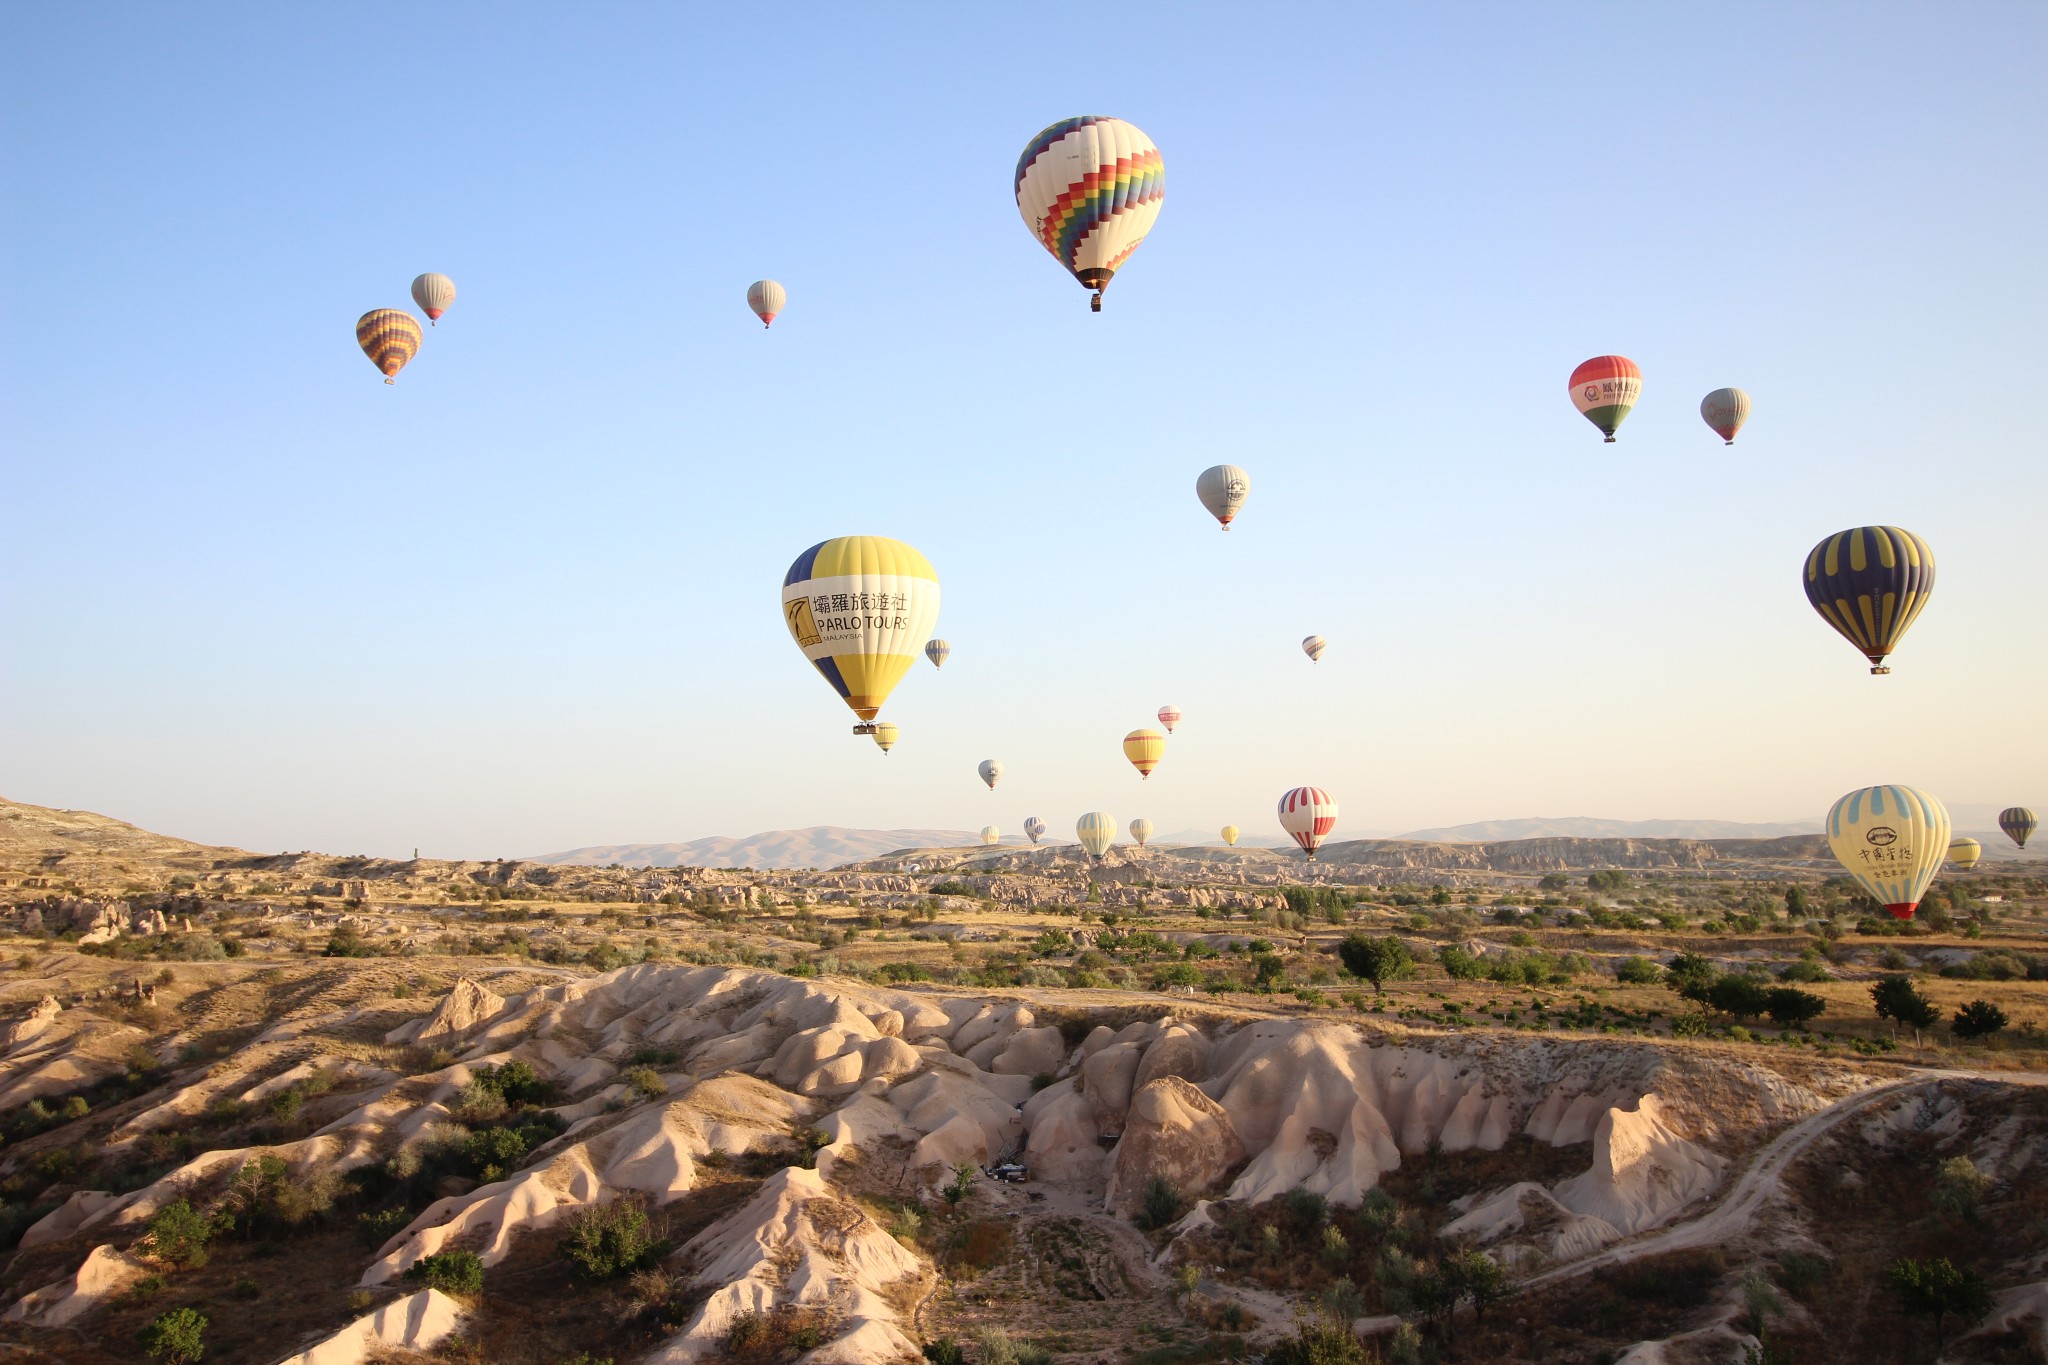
(1169, 716)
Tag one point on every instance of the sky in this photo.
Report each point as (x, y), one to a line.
(527, 598)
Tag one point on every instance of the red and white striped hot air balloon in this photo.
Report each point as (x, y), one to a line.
(1169, 716)
(1307, 814)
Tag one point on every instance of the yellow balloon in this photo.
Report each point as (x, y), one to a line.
(1965, 852)
(1892, 841)
(1144, 748)
(861, 609)
(1097, 831)
(885, 735)
(1230, 835)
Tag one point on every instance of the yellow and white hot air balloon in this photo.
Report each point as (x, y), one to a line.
(390, 337)
(1230, 835)
(860, 608)
(1090, 189)
(433, 292)
(766, 298)
(991, 770)
(1223, 489)
(1097, 831)
(1141, 830)
(1892, 841)
(1314, 646)
(990, 835)
(1144, 748)
(885, 735)
(1965, 852)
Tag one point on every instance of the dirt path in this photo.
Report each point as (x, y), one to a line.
(1765, 1176)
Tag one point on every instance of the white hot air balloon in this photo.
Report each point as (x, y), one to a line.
(1307, 814)
(1141, 830)
(991, 771)
(1314, 646)
(1169, 716)
(1097, 831)
(766, 298)
(1034, 828)
(1223, 489)
(433, 292)
(990, 835)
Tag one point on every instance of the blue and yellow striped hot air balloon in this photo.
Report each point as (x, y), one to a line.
(1097, 831)
(860, 608)
(1892, 841)
(2017, 822)
(1869, 583)
(1965, 852)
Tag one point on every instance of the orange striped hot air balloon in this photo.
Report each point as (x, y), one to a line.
(1604, 389)
(390, 337)
(1144, 748)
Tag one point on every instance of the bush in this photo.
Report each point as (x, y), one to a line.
(1692, 976)
(1161, 1205)
(645, 1082)
(1789, 1007)
(1637, 971)
(176, 1337)
(1459, 963)
(1978, 1019)
(1959, 1187)
(178, 1235)
(1319, 1343)
(1806, 970)
(1378, 960)
(451, 1272)
(997, 1347)
(609, 1240)
(1742, 996)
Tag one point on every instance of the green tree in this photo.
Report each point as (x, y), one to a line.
(1474, 1275)
(1978, 1019)
(178, 1235)
(176, 1337)
(451, 1272)
(1742, 996)
(1959, 1187)
(1795, 902)
(1637, 971)
(1319, 1343)
(1938, 1289)
(609, 1240)
(1378, 960)
(1790, 1007)
(963, 1181)
(1692, 976)
(1895, 998)
(1267, 970)
(1161, 1205)
(1459, 963)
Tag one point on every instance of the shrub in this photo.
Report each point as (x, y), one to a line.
(645, 1082)
(1806, 970)
(1691, 975)
(176, 1337)
(997, 1347)
(1637, 971)
(1460, 963)
(1161, 1205)
(945, 1351)
(1959, 1187)
(1336, 1248)
(1936, 1289)
(451, 1272)
(609, 1240)
(1742, 996)
(178, 1235)
(1319, 1343)
(1978, 1019)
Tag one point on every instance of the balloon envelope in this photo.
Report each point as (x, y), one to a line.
(1169, 716)
(1223, 489)
(1892, 841)
(1725, 410)
(991, 835)
(1307, 814)
(1230, 835)
(1141, 830)
(937, 651)
(1144, 748)
(1089, 190)
(991, 770)
(766, 298)
(1097, 831)
(433, 292)
(390, 337)
(860, 607)
(1965, 852)
(1314, 646)
(1869, 583)
(885, 735)
(1034, 828)
(1604, 389)
(2017, 822)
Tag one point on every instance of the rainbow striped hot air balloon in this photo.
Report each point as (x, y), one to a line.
(390, 337)
(1097, 831)
(1034, 828)
(1230, 835)
(1144, 748)
(1307, 814)
(1965, 852)
(1869, 583)
(1892, 841)
(860, 608)
(433, 292)
(1089, 189)
(2017, 822)
(1314, 646)
(1141, 830)
(766, 298)
(1604, 389)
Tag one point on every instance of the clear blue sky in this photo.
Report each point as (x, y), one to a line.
(527, 598)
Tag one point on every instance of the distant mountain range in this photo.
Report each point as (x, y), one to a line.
(1587, 827)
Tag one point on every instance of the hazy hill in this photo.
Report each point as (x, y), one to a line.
(819, 846)
(1588, 827)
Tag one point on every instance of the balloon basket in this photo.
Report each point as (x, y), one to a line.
(866, 727)
(1095, 303)
(1879, 668)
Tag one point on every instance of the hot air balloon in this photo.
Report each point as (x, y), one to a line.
(991, 770)
(1307, 814)
(1892, 841)
(1605, 388)
(860, 607)
(1034, 828)
(1090, 189)
(390, 337)
(2017, 822)
(1169, 716)
(1230, 835)
(1725, 410)
(1965, 852)
(766, 298)
(991, 835)
(1314, 646)
(433, 292)
(1144, 748)
(936, 651)
(1097, 831)
(885, 735)
(1141, 830)
(1869, 583)
(1223, 489)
